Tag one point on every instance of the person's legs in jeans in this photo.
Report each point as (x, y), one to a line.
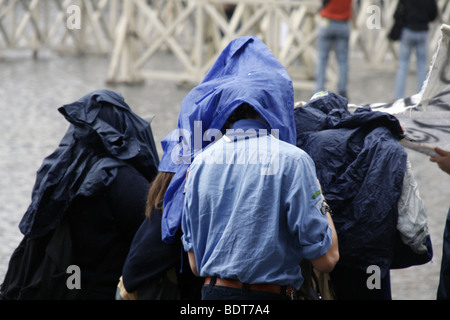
(422, 57)
(324, 44)
(342, 43)
(403, 67)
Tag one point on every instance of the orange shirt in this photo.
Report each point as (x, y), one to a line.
(337, 9)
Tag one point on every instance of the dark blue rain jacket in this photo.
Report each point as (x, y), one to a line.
(104, 134)
(360, 165)
(443, 292)
(245, 72)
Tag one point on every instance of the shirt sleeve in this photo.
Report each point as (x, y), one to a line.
(185, 225)
(305, 216)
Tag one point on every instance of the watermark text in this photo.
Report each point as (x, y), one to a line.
(73, 21)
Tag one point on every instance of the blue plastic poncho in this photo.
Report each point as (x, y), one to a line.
(245, 72)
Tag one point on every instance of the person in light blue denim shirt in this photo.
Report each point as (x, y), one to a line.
(253, 211)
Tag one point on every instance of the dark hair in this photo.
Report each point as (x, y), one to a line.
(157, 191)
(244, 111)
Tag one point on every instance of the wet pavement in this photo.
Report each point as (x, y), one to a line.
(31, 127)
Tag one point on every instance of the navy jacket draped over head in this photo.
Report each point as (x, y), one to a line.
(361, 165)
(104, 134)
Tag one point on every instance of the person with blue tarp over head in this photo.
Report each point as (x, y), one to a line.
(250, 217)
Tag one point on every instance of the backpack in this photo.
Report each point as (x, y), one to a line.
(37, 269)
(395, 33)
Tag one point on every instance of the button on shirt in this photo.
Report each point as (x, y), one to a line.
(252, 209)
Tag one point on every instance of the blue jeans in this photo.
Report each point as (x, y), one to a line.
(409, 41)
(337, 34)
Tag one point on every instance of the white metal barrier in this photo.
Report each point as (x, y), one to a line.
(180, 39)
(78, 26)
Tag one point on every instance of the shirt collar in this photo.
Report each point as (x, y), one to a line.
(245, 124)
(246, 128)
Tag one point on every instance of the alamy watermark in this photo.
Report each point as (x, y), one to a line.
(374, 280)
(73, 21)
(263, 152)
(73, 281)
(374, 19)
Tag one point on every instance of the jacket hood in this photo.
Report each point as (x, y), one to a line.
(245, 72)
(103, 135)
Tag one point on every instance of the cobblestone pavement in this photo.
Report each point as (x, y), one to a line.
(31, 128)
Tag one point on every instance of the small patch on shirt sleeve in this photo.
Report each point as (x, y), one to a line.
(316, 194)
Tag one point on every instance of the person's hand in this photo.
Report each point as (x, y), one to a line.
(443, 161)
